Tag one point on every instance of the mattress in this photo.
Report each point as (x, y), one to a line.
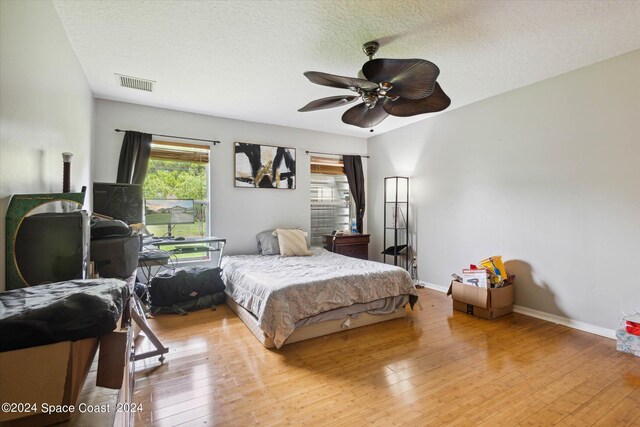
(63, 311)
(283, 291)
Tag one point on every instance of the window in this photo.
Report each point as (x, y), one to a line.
(330, 198)
(180, 171)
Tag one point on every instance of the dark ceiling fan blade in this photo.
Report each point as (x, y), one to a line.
(338, 81)
(401, 107)
(411, 78)
(329, 102)
(363, 117)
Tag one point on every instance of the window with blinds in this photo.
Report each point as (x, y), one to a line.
(330, 198)
(193, 153)
(180, 171)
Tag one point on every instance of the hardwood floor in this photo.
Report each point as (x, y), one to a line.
(437, 367)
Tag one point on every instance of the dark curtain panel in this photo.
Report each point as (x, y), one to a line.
(355, 176)
(134, 158)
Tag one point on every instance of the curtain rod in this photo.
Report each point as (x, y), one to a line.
(177, 137)
(334, 154)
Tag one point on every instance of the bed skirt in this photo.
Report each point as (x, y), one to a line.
(315, 330)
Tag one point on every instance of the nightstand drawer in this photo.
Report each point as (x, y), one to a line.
(356, 251)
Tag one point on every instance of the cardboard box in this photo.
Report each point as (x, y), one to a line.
(627, 343)
(114, 358)
(487, 303)
(48, 374)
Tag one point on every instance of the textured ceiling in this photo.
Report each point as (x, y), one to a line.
(244, 59)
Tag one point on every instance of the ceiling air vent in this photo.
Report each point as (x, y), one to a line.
(135, 83)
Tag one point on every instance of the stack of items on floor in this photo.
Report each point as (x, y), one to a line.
(186, 289)
(484, 290)
(629, 336)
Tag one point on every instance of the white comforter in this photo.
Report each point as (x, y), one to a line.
(280, 291)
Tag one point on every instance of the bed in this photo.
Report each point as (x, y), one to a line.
(287, 299)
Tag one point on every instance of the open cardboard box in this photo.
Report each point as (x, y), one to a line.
(50, 377)
(46, 377)
(487, 303)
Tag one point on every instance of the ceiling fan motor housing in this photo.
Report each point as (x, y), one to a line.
(371, 97)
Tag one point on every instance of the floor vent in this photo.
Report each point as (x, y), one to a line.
(135, 83)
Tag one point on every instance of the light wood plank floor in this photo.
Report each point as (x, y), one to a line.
(437, 367)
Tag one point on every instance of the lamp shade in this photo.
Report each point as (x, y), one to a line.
(396, 189)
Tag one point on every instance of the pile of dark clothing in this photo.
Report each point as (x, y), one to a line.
(186, 289)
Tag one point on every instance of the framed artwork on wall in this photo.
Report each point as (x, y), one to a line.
(264, 166)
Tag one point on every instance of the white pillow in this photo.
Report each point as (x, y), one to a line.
(291, 242)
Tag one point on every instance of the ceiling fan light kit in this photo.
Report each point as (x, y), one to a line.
(396, 87)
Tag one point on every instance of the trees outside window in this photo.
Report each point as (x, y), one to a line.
(180, 171)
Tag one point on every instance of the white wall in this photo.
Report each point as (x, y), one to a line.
(237, 213)
(46, 106)
(548, 176)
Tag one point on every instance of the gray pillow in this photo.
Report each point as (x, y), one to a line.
(268, 243)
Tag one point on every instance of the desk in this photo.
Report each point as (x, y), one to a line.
(158, 257)
(147, 259)
(191, 245)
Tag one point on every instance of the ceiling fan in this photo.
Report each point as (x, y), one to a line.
(396, 87)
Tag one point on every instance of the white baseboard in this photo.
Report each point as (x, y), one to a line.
(435, 287)
(560, 320)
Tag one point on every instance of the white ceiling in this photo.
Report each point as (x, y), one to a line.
(244, 59)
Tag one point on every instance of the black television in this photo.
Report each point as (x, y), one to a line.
(119, 201)
(52, 247)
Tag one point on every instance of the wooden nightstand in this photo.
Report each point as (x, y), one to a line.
(353, 245)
